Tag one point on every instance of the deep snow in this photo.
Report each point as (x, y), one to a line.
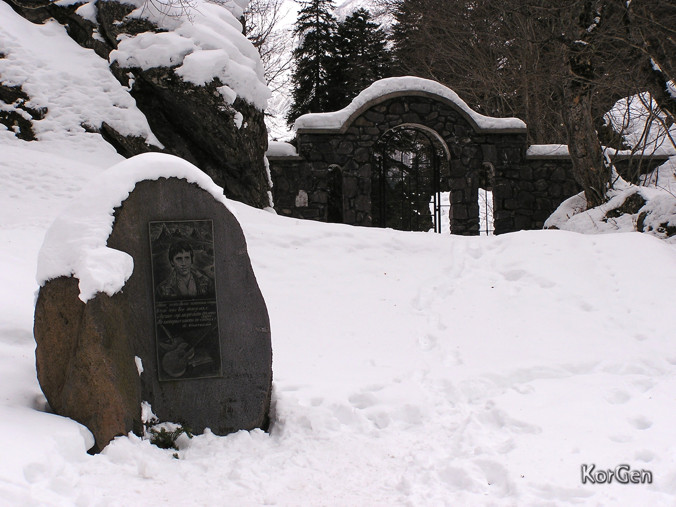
(410, 369)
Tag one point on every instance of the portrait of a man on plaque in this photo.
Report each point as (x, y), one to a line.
(186, 314)
(185, 280)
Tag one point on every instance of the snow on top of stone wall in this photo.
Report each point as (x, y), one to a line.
(547, 150)
(401, 85)
(203, 41)
(75, 244)
(281, 149)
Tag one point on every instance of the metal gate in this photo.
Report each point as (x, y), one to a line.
(407, 186)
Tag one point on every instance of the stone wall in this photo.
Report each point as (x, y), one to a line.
(299, 191)
(330, 177)
(525, 197)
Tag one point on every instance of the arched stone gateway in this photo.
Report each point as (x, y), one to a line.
(340, 156)
(411, 170)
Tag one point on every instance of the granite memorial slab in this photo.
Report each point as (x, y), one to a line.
(187, 332)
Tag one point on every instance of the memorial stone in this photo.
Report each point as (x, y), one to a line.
(188, 333)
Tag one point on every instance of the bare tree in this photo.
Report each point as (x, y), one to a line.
(262, 27)
(498, 57)
(560, 66)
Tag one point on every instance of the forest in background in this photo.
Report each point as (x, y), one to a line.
(559, 66)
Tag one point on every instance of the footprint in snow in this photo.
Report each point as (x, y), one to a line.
(544, 283)
(621, 439)
(363, 400)
(644, 384)
(35, 472)
(497, 476)
(586, 307)
(458, 479)
(514, 275)
(640, 422)
(475, 252)
(427, 342)
(645, 455)
(617, 397)
(380, 420)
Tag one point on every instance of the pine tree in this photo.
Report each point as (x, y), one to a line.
(315, 60)
(363, 54)
(408, 17)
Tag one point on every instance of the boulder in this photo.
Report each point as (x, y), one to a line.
(98, 361)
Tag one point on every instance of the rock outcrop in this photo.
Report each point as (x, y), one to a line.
(226, 140)
(19, 116)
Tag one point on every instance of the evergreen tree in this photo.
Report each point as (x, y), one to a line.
(363, 55)
(405, 37)
(315, 60)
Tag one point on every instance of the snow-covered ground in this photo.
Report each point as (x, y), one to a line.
(409, 368)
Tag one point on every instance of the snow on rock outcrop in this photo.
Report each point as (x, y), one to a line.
(163, 76)
(649, 207)
(203, 43)
(642, 125)
(74, 95)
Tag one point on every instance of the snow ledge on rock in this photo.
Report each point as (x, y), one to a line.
(75, 244)
(202, 41)
(656, 215)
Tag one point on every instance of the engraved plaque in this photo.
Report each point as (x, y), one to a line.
(186, 315)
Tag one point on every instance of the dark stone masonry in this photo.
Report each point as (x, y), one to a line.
(331, 177)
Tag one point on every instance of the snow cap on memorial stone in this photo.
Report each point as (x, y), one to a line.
(96, 315)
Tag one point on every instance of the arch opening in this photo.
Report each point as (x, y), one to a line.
(486, 204)
(410, 188)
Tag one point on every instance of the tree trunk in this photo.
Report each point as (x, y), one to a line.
(589, 168)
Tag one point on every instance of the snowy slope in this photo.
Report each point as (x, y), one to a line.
(410, 369)
(347, 7)
(74, 85)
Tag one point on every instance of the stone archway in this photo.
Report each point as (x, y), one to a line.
(482, 153)
(348, 138)
(328, 174)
